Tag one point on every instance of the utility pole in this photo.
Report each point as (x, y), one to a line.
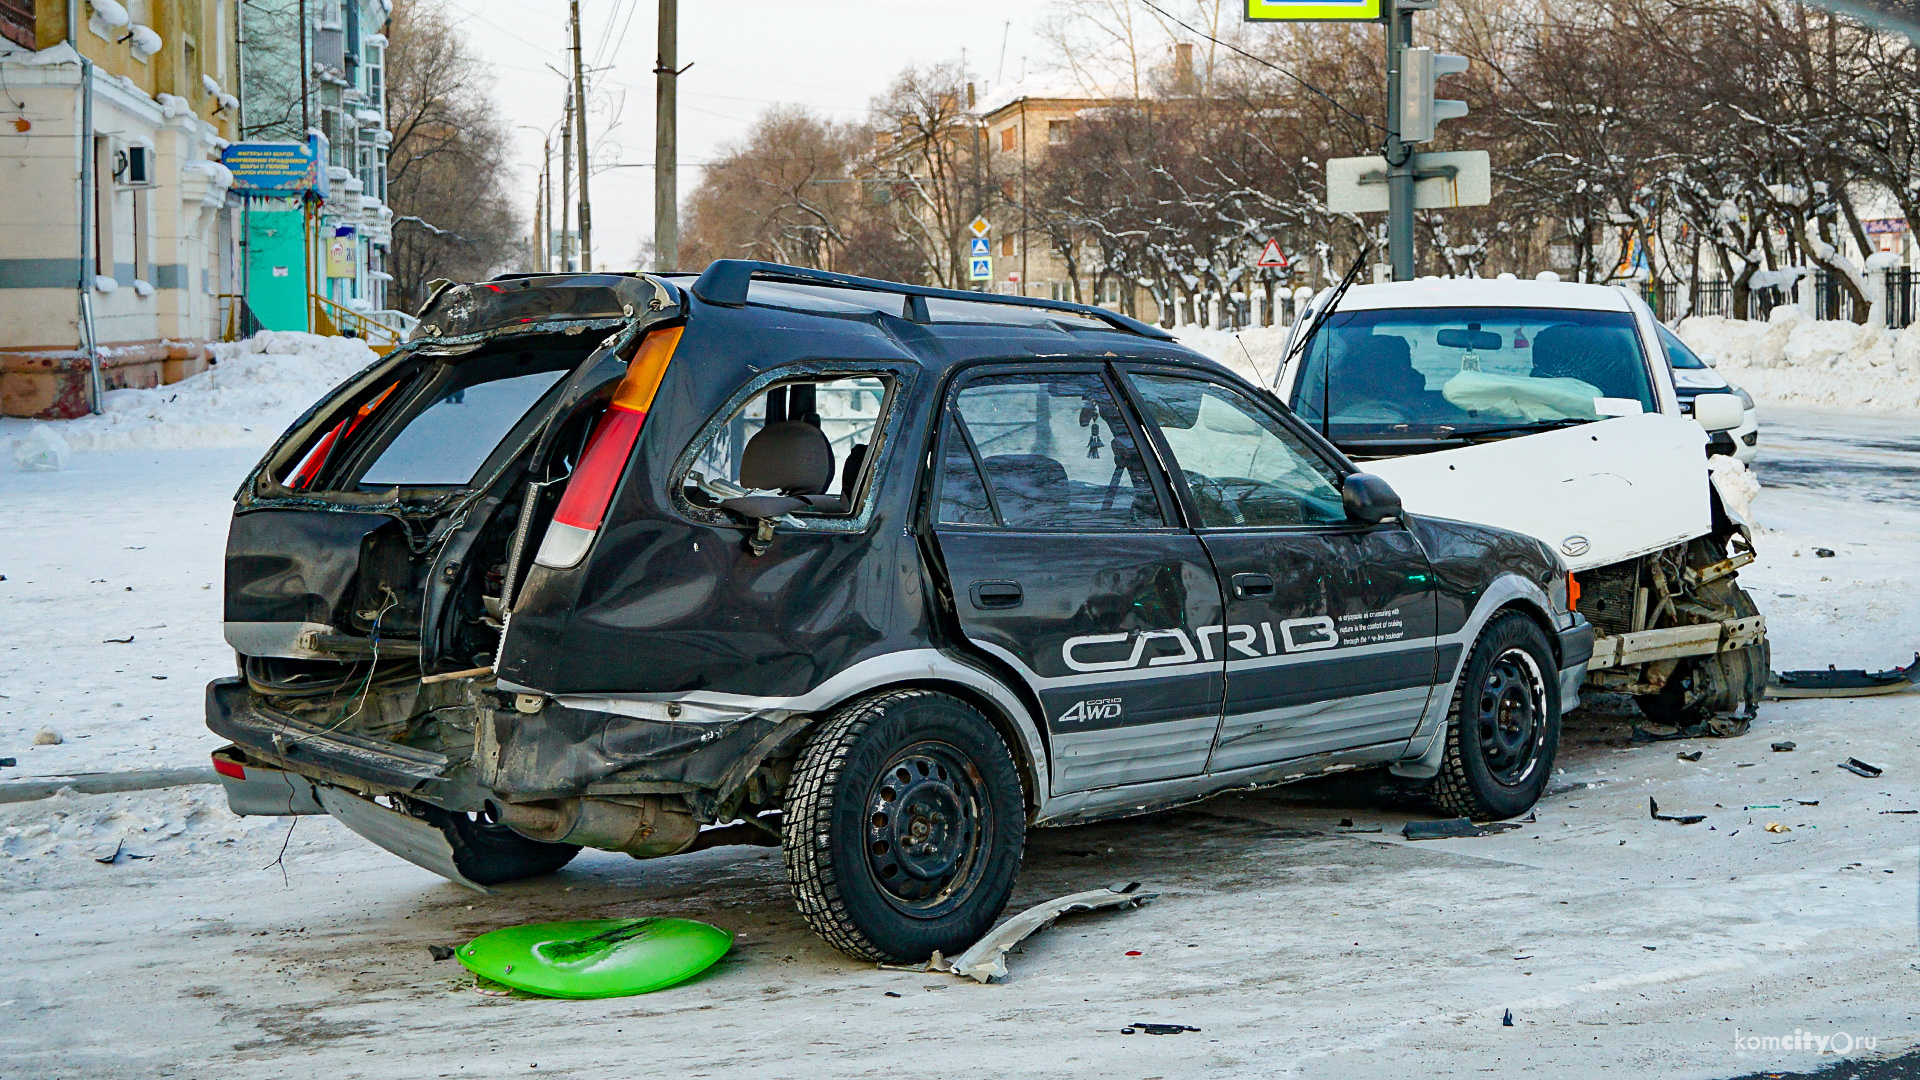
(580, 120)
(546, 205)
(1399, 154)
(666, 140)
(566, 184)
(306, 73)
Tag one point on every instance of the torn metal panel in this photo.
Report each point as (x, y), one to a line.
(408, 837)
(986, 960)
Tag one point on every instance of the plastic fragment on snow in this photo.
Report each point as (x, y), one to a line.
(1453, 828)
(1823, 553)
(1507, 1020)
(1774, 826)
(440, 952)
(986, 960)
(1847, 682)
(1860, 768)
(1784, 747)
(1155, 1029)
(1653, 811)
(1690, 755)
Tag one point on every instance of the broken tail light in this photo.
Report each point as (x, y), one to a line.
(584, 504)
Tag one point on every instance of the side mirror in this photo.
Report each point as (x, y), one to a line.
(1719, 412)
(1369, 499)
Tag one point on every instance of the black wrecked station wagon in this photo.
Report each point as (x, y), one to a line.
(881, 574)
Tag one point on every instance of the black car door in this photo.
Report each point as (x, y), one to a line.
(1329, 634)
(1065, 564)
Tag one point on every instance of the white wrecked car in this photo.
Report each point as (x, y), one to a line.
(1549, 408)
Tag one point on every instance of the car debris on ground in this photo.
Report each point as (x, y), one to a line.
(985, 960)
(595, 958)
(1860, 768)
(1653, 809)
(1844, 682)
(1454, 828)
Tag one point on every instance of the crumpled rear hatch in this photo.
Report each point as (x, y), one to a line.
(382, 526)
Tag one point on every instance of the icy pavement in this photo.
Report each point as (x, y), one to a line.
(1624, 947)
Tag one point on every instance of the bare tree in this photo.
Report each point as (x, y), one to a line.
(449, 186)
(783, 193)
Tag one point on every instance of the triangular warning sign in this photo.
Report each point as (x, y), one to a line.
(1272, 257)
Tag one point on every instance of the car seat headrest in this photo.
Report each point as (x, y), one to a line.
(790, 457)
(1030, 488)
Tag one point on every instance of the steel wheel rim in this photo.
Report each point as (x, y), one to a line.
(926, 830)
(1510, 718)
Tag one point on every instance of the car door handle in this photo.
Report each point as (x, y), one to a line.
(996, 594)
(1248, 586)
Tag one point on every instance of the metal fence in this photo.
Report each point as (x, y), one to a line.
(1673, 300)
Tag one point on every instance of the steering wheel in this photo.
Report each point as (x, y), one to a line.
(1215, 502)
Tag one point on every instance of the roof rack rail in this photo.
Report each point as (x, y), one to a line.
(725, 281)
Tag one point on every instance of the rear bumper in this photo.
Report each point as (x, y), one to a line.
(284, 741)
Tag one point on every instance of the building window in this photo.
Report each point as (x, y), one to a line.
(376, 78)
(1058, 130)
(1110, 291)
(1060, 290)
(1007, 137)
(1006, 246)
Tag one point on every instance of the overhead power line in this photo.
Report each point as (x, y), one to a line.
(1328, 98)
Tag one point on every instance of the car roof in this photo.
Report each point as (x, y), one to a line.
(1484, 292)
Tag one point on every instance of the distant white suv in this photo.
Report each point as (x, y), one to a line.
(1553, 409)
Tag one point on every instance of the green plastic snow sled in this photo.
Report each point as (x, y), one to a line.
(596, 958)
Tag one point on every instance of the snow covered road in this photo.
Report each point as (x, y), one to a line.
(1624, 946)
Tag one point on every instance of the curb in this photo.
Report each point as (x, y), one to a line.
(107, 783)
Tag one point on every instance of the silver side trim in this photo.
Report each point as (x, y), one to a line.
(1132, 754)
(870, 674)
(1255, 738)
(1161, 794)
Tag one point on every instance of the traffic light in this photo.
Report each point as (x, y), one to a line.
(1419, 112)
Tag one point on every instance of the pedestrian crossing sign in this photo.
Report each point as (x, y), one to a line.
(977, 247)
(982, 268)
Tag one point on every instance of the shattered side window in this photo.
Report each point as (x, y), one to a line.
(807, 438)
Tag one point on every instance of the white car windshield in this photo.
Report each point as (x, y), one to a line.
(1425, 371)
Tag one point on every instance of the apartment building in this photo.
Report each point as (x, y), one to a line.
(116, 240)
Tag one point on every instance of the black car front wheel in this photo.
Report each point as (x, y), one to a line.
(904, 826)
(1504, 724)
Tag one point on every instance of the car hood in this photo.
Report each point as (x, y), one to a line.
(1597, 494)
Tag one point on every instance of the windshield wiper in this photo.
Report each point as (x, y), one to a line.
(1537, 425)
(1320, 317)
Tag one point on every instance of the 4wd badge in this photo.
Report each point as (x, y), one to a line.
(1086, 712)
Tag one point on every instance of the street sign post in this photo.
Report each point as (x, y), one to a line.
(1360, 185)
(1311, 10)
(1271, 257)
(980, 268)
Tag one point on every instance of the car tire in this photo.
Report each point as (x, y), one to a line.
(1704, 687)
(904, 826)
(489, 853)
(1503, 727)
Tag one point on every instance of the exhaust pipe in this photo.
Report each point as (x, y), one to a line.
(643, 826)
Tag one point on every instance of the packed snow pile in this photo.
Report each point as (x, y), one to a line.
(254, 390)
(41, 449)
(139, 825)
(1254, 352)
(1793, 357)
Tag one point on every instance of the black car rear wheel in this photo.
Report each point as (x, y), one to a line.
(904, 826)
(1504, 725)
(489, 853)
